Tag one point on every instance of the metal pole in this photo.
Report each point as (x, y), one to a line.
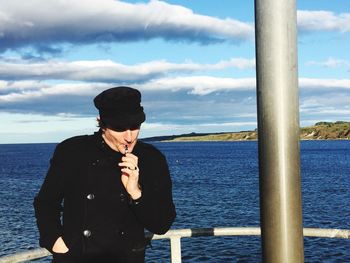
(278, 131)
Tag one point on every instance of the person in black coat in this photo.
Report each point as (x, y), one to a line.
(103, 190)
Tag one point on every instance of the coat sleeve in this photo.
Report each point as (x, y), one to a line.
(155, 209)
(47, 203)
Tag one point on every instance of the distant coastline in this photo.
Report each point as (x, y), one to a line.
(339, 130)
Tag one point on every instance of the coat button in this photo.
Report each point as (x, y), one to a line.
(87, 233)
(122, 197)
(90, 196)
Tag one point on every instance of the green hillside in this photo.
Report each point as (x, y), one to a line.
(339, 130)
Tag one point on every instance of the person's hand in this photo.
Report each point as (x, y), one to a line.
(60, 246)
(130, 175)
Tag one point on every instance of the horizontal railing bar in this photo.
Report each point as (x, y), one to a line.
(25, 256)
(324, 232)
(249, 231)
(225, 231)
(193, 232)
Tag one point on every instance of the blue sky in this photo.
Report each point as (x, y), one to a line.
(193, 61)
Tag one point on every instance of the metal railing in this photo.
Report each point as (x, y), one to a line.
(175, 236)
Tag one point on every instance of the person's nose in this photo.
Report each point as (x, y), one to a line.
(127, 136)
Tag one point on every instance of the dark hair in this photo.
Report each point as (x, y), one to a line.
(101, 124)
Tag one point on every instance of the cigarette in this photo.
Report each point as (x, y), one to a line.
(126, 149)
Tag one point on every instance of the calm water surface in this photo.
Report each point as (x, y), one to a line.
(215, 184)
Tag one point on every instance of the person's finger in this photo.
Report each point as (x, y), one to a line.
(130, 166)
(128, 163)
(131, 157)
(131, 171)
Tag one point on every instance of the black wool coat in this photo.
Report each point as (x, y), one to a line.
(83, 200)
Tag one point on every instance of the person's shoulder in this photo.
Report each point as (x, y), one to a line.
(75, 140)
(148, 148)
(73, 143)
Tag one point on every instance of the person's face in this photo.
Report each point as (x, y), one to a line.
(118, 140)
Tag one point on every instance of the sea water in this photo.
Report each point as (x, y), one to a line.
(215, 184)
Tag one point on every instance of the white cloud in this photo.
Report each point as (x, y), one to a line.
(331, 63)
(47, 24)
(107, 70)
(313, 83)
(168, 126)
(23, 128)
(29, 128)
(196, 85)
(333, 99)
(14, 86)
(323, 21)
(203, 85)
(241, 63)
(199, 85)
(38, 22)
(329, 106)
(41, 90)
(323, 110)
(159, 128)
